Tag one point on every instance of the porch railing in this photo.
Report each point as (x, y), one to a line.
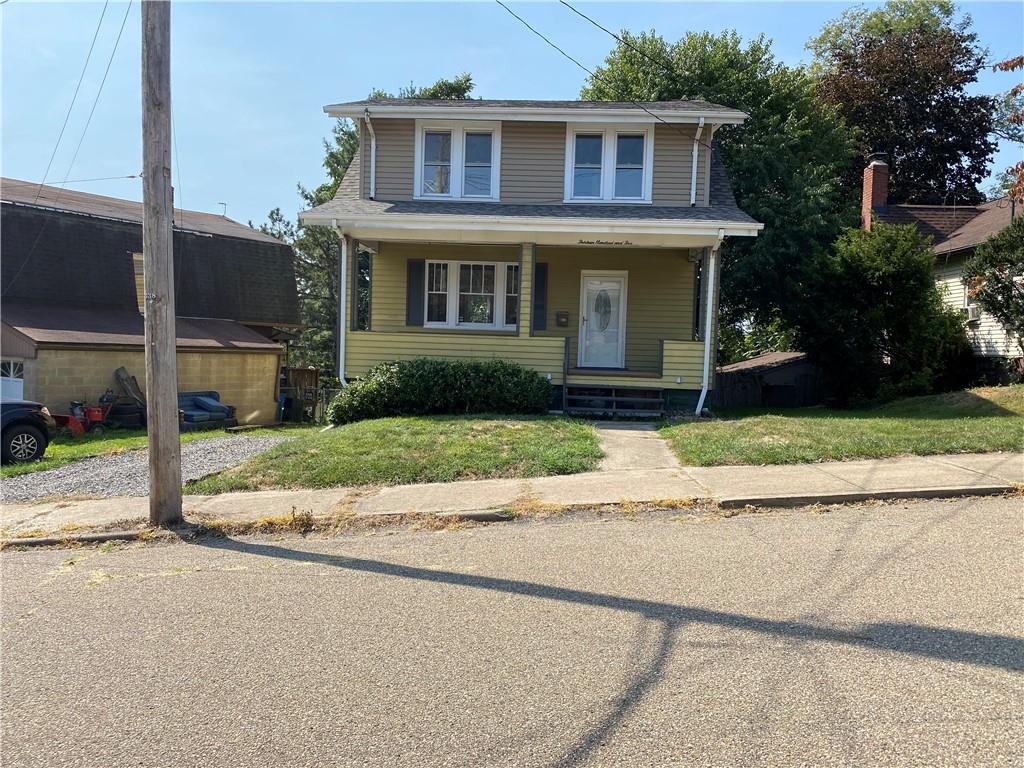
(545, 354)
(681, 361)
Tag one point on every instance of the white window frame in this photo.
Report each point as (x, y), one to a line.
(610, 133)
(458, 130)
(500, 277)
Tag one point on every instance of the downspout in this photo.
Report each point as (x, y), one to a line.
(708, 318)
(342, 301)
(373, 154)
(693, 163)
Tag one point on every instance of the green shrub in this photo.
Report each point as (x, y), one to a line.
(425, 386)
(875, 321)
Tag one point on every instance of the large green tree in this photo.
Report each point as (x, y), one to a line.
(316, 248)
(995, 278)
(878, 325)
(785, 163)
(900, 74)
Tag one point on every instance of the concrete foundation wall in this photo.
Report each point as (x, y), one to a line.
(246, 380)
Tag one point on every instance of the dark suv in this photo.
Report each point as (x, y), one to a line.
(27, 429)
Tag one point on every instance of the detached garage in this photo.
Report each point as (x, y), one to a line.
(71, 301)
(65, 354)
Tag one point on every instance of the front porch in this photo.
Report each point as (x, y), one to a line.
(607, 326)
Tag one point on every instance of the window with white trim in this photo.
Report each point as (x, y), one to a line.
(457, 160)
(511, 294)
(437, 292)
(472, 294)
(609, 163)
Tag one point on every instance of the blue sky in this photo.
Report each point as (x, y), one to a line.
(250, 79)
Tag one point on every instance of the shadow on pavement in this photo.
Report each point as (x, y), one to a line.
(949, 645)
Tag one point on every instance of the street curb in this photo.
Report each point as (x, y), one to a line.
(77, 538)
(845, 497)
(482, 516)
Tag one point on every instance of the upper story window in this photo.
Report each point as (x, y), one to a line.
(609, 164)
(457, 160)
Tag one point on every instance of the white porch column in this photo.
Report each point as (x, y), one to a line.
(342, 304)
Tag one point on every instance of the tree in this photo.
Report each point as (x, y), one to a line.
(878, 327)
(1010, 125)
(994, 275)
(316, 248)
(900, 74)
(786, 162)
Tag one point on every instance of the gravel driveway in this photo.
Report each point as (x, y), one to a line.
(127, 474)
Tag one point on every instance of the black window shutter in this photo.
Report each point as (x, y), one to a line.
(414, 286)
(540, 297)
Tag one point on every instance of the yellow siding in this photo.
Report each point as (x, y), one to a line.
(988, 338)
(395, 159)
(659, 301)
(364, 349)
(532, 162)
(684, 360)
(387, 287)
(246, 380)
(140, 281)
(673, 161)
(659, 306)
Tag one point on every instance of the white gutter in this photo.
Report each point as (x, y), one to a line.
(456, 111)
(342, 301)
(708, 317)
(373, 154)
(537, 224)
(693, 163)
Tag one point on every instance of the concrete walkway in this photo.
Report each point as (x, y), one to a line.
(633, 445)
(831, 482)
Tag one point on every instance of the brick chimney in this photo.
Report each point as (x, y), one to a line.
(876, 188)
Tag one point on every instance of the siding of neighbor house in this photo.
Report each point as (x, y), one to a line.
(246, 380)
(659, 306)
(533, 162)
(988, 337)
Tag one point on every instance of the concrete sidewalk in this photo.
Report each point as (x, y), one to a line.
(831, 482)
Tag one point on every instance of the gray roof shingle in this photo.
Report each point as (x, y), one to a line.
(89, 204)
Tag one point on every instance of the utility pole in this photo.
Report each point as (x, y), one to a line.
(158, 267)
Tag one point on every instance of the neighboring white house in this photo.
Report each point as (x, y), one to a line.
(957, 230)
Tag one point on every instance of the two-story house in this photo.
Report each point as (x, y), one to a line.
(580, 239)
(956, 230)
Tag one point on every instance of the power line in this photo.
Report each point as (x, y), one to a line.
(74, 98)
(99, 91)
(601, 79)
(623, 41)
(102, 178)
(92, 111)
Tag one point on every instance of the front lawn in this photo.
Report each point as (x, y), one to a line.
(416, 450)
(973, 421)
(65, 449)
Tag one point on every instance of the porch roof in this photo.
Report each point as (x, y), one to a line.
(363, 217)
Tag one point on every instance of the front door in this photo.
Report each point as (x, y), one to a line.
(602, 320)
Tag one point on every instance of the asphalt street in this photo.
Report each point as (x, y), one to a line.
(874, 635)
